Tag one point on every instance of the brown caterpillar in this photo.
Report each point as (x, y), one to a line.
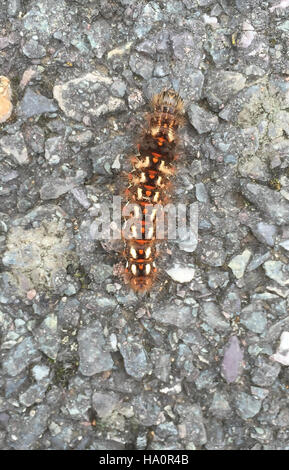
(148, 187)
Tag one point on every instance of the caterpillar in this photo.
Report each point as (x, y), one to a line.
(149, 187)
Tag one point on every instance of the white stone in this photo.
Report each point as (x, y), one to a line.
(283, 4)
(40, 372)
(247, 36)
(181, 273)
(285, 244)
(239, 263)
(282, 354)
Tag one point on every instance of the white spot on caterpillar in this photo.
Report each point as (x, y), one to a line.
(165, 169)
(148, 269)
(156, 196)
(154, 131)
(148, 252)
(134, 231)
(133, 253)
(133, 269)
(153, 214)
(143, 163)
(171, 135)
(150, 232)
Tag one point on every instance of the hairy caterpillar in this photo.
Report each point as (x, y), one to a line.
(148, 187)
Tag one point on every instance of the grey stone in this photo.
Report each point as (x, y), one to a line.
(220, 406)
(53, 188)
(78, 398)
(47, 336)
(265, 373)
(4, 420)
(104, 154)
(55, 150)
(106, 445)
(20, 357)
(135, 359)
(34, 394)
(165, 437)
(99, 35)
(284, 26)
(33, 49)
(218, 279)
(268, 201)
(280, 87)
(221, 86)
(190, 81)
(258, 261)
(147, 47)
(161, 70)
(35, 138)
(104, 304)
(68, 312)
(205, 3)
(254, 70)
(23, 432)
(150, 14)
(187, 45)
(118, 88)
(146, 409)
(266, 233)
(201, 193)
(33, 104)
(203, 121)
(277, 271)
(170, 314)
(206, 380)
(189, 238)
(185, 364)
(162, 364)
(192, 423)
(189, 235)
(246, 405)
(253, 166)
(254, 318)
(101, 271)
(81, 138)
(4, 42)
(13, 7)
(37, 256)
(212, 316)
(282, 419)
(211, 251)
(259, 392)
(104, 403)
(46, 17)
(93, 356)
(141, 65)
(14, 146)
(88, 95)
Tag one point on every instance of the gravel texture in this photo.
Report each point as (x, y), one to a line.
(201, 362)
